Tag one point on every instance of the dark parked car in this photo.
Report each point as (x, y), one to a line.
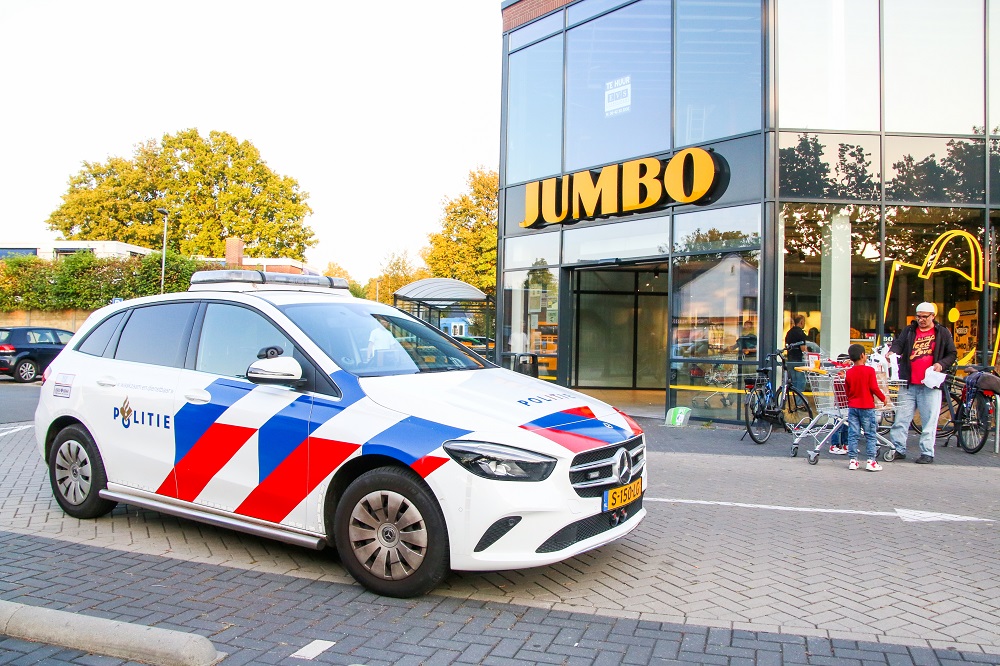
(25, 351)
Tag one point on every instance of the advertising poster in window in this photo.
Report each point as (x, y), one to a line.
(966, 330)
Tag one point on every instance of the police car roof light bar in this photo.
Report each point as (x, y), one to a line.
(263, 277)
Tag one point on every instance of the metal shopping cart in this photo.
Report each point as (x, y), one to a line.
(830, 397)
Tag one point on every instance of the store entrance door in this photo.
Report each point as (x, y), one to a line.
(620, 336)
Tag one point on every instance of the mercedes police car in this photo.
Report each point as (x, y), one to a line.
(284, 407)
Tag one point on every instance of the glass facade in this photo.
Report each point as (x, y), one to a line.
(851, 177)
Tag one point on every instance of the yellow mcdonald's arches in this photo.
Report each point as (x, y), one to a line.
(975, 275)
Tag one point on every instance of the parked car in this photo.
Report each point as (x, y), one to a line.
(25, 351)
(274, 405)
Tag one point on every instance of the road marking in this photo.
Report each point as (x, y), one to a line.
(314, 649)
(12, 430)
(907, 515)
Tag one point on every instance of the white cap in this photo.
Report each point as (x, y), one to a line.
(927, 307)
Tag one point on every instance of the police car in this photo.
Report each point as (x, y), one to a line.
(284, 407)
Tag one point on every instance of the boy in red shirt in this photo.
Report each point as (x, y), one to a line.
(862, 388)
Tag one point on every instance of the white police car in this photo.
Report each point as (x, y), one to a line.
(284, 407)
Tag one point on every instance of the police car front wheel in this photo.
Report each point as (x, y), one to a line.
(77, 475)
(390, 533)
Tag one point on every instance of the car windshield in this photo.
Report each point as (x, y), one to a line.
(372, 341)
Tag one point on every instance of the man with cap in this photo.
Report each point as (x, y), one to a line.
(923, 345)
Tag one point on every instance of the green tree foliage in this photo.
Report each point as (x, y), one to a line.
(466, 247)
(398, 271)
(213, 188)
(85, 282)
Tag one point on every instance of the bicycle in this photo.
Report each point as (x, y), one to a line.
(975, 413)
(766, 407)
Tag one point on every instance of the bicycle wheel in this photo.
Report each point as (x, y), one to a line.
(946, 417)
(975, 428)
(758, 427)
(796, 406)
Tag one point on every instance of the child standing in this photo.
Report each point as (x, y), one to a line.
(862, 388)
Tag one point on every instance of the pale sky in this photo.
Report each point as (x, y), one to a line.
(378, 110)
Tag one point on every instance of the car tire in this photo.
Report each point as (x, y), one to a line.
(26, 371)
(391, 534)
(76, 473)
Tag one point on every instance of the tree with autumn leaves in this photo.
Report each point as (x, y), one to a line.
(214, 188)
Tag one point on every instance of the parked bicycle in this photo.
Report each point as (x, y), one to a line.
(966, 412)
(767, 407)
(975, 415)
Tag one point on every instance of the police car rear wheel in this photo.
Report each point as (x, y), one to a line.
(390, 533)
(76, 473)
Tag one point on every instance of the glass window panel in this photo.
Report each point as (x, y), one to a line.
(653, 281)
(642, 238)
(718, 69)
(531, 318)
(936, 47)
(991, 343)
(828, 76)
(829, 166)
(717, 229)
(935, 255)
(714, 303)
(934, 169)
(582, 11)
(97, 340)
(830, 276)
(533, 250)
(232, 337)
(606, 340)
(534, 111)
(994, 69)
(541, 28)
(618, 85)
(605, 281)
(651, 343)
(157, 334)
(994, 172)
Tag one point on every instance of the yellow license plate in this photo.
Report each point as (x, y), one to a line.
(622, 495)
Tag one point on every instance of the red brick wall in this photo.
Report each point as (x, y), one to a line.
(520, 13)
(234, 252)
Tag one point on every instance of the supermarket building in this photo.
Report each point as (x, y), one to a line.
(680, 176)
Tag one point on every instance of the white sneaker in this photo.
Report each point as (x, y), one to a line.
(854, 464)
(838, 450)
(873, 466)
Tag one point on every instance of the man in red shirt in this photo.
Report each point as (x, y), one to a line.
(921, 345)
(861, 387)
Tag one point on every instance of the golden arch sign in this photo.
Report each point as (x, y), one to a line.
(617, 189)
(975, 274)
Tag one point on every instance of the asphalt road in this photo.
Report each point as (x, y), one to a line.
(17, 401)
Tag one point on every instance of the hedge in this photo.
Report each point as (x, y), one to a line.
(84, 282)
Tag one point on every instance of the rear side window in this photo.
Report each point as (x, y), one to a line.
(64, 337)
(157, 334)
(97, 340)
(4, 336)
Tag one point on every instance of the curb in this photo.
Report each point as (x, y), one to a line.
(113, 638)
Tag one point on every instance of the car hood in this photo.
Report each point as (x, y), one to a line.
(500, 405)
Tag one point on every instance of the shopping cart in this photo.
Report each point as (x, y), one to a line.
(830, 397)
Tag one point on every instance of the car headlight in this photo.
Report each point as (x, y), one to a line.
(503, 463)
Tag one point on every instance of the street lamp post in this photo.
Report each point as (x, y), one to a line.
(163, 255)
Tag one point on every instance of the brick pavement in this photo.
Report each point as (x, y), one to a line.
(696, 583)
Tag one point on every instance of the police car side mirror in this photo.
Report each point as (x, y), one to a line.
(282, 370)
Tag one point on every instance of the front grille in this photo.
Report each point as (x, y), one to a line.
(591, 472)
(587, 528)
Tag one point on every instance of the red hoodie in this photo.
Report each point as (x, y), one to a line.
(860, 385)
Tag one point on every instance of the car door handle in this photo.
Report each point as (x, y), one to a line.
(107, 381)
(198, 397)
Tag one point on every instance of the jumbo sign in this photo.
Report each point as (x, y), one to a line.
(637, 185)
